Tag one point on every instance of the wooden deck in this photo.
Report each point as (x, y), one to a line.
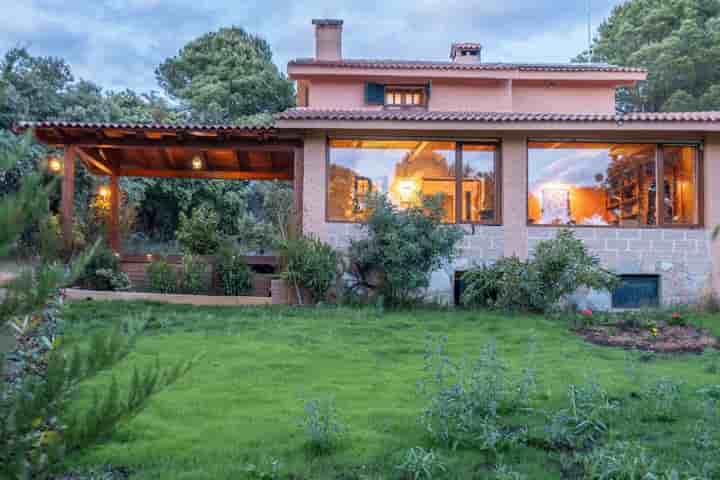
(76, 294)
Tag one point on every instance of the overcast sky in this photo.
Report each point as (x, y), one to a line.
(118, 43)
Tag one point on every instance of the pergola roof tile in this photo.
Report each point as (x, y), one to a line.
(172, 127)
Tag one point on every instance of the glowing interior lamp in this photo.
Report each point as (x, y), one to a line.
(104, 192)
(54, 165)
(197, 162)
(407, 189)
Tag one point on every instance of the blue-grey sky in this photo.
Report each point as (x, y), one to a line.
(118, 43)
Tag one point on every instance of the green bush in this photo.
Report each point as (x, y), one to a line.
(235, 274)
(193, 277)
(199, 234)
(102, 271)
(311, 265)
(557, 269)
(161, 277)
(402, 249)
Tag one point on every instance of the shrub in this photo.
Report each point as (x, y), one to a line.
(661, 400)
(322, 425)
(465, 403)
(193, 275)
(199, 234)
(402, 248)
(102, 271)
(620, 461)
(235, 274)
(161, 277)
(557, 268)
(311, 264)
(421, 464)
(585, 420)
(509, 283)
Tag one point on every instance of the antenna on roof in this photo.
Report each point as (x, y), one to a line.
(589, 33)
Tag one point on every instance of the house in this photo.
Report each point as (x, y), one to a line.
(519, 150)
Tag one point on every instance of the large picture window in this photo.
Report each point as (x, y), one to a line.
(614, 184)
(406, 171)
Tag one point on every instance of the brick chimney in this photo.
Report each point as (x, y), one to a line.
(328, 39)
(466, 52)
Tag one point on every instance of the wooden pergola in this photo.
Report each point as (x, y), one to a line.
(228, 152)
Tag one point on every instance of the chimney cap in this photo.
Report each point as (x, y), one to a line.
(457, 49)
(327, 21)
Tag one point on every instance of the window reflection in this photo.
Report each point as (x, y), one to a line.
(478, 184)
(680, 193)
(591, 184)
(405, 170)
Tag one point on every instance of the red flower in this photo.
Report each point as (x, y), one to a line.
(676, 315)
(586, 312)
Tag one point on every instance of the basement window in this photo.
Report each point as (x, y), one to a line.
(637, 291)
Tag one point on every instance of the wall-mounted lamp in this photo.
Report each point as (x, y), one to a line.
(197, 162)
(104, 192)
(54, 165)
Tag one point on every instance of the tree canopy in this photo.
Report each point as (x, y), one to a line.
(678, 41)
(224, 76)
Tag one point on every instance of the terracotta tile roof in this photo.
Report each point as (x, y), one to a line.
(490, 117)
(437, 65)
(170, 127)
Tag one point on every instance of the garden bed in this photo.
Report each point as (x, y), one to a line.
(661, 337)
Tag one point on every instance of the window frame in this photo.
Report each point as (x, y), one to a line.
(497, 164)
(698, 147)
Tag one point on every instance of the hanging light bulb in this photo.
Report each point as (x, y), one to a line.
(54, 165)
(197, 162)
(104, 191)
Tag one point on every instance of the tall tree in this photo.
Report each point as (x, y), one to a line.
(224, 76)
(678, 41)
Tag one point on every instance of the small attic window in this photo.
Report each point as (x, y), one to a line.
(469, 53)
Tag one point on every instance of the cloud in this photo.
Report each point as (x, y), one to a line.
(118, 43)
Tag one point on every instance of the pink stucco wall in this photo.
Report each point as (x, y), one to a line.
(474, 95)
(563, 98)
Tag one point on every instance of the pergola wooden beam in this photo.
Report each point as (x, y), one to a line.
(89, 159)
(205, 174)
(202, 143)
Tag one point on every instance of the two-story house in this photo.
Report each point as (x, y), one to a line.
(518, 150)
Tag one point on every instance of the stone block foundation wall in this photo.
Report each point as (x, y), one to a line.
(678, 256)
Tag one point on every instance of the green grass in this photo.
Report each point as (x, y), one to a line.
(242, 403)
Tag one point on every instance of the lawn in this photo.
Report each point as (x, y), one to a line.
(241, 404)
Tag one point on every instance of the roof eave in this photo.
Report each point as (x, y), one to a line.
(464, 125)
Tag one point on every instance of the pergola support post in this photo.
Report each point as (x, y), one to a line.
(298, 180)
(67, 202)
(114, 226)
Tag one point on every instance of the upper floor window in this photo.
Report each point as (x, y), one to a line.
(397, 95)
(615, 184)
(404, 96)
(407, 170)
